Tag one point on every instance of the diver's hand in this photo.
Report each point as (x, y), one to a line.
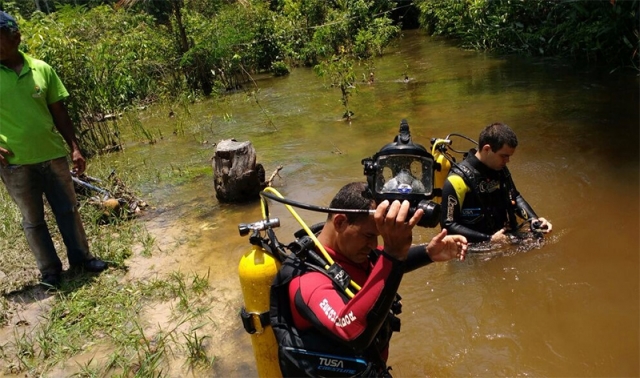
(500, 236)
(445, 247)
(541, 225)
(394, 227)
(4, 153)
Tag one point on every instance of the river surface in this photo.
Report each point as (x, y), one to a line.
(567, 308)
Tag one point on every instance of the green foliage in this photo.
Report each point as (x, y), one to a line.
(295, 24)
(603, 30)
(141, 51)
(596, 30)
(112, 57)
(340, 72)
(352, 32)
(108, 59)
(219, 44)
(226, 49)
(279, 69)
(28, 7)
(196, 349)
(352, 27)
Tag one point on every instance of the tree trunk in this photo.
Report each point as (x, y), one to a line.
(177, 11)
(236, 175)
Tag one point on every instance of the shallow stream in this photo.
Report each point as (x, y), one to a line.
(569, 308)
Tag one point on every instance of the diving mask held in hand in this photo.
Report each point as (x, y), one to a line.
(403, 170)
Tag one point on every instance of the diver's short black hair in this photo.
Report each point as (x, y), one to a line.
(352, 196)
(497, 135)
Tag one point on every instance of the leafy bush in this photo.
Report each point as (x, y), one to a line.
(603, 30)
(352, 32)
(111, 57)
(227, 48)
(107, 59)
(279, 69)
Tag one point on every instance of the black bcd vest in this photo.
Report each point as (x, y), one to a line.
(312, 353)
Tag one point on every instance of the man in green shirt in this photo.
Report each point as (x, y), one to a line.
(34, 127)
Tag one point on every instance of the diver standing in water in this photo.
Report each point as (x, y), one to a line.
(320, 329)
(480, 200)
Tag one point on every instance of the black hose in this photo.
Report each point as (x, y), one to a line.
(463, 137)
(321, 209)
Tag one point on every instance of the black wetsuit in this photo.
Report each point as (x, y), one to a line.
(478, 201)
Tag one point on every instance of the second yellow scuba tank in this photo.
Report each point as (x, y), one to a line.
(441, 173)
(443, 165)
(441, 150)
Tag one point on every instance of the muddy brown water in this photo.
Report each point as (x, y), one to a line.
(568, 308)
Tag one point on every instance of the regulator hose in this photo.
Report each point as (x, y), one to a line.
(279, 198)
(273, 194)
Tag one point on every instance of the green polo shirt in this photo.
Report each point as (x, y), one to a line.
(26, 125)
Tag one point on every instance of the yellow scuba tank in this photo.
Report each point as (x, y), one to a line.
(257, 270)
(440, 174)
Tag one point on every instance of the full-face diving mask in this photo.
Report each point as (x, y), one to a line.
(403, 170)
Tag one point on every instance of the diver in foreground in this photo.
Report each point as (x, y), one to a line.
(323, 331)
(480, 200)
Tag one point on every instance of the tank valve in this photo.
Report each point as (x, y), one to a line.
(245, 228)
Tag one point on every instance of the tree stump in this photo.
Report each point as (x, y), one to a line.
(236, 175)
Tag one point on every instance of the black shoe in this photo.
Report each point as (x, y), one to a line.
(94, 265)
(50, 281)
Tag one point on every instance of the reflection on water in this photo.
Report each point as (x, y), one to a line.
(569, 307)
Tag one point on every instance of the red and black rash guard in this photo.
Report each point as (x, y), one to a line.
(317, 325)
(317, 303)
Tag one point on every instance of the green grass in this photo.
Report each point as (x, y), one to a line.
(101, 310)
(90, 311)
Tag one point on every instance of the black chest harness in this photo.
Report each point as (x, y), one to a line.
(314, 353)
(479, 187)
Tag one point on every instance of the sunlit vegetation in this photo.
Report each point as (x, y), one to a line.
(114, 55)
(588, 31)
(345, 41)
(118, 54)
